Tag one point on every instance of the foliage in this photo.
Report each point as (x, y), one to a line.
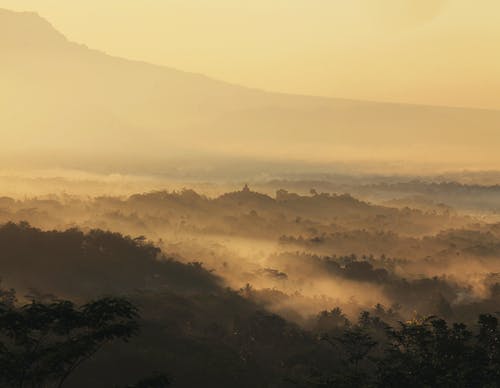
(42, 344)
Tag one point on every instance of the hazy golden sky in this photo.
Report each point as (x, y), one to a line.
(425, 51)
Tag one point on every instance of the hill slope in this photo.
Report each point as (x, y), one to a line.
(61, 98)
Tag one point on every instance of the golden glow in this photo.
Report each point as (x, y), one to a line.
(442, 52)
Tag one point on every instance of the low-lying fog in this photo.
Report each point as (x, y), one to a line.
(416, 245)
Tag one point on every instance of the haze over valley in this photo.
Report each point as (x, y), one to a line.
(164, 228)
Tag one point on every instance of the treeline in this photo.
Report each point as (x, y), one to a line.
(473, 192)
(242, 213)
(423, 352)
(56, 344)
(88, 264)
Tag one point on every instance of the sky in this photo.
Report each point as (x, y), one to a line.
(438, 52)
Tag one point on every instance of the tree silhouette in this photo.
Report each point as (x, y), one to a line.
(42, 344)
(430, 353)
(355, 344)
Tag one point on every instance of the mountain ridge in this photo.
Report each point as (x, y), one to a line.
(105, 104)
(36, 15)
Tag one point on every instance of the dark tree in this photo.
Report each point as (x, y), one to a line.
(430, 353)
(42, 344)
(355, 344)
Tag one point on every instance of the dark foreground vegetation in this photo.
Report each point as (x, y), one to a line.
(43, 343)
(168, 318)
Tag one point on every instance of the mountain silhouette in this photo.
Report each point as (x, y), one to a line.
(61, 98)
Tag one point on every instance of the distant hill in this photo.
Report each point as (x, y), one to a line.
(65, 100)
